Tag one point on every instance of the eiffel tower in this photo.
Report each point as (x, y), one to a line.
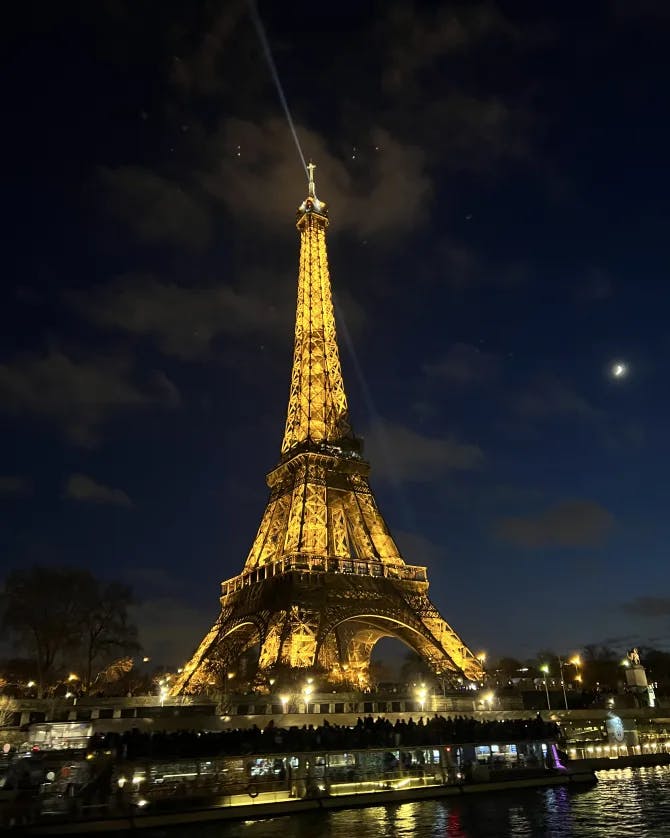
(324, 579)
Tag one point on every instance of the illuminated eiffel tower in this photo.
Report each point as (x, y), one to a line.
(324, 579)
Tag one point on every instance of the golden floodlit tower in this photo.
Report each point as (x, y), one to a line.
(324, 579)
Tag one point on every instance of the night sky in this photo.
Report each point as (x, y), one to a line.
(497, 177)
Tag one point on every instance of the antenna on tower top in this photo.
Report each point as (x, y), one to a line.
(310, 169)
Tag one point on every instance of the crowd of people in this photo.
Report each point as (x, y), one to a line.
(366, 733)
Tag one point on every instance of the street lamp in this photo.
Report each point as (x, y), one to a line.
(545, 670)
(565, 695)
(481, 657)
(284, 702)
(576, 661)
(421, 695)
(307, 691)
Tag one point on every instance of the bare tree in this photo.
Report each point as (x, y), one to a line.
(40, 609)
(62, 615)
(105, 630)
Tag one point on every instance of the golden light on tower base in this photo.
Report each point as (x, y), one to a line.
(324, 579)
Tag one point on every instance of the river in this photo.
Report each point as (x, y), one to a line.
(625, 802)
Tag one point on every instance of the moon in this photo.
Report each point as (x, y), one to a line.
(619, 369)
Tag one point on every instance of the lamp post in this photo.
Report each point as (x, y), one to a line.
(545, 670)
(576, 661)
(565, 695)
(481, 657)
(307, 691)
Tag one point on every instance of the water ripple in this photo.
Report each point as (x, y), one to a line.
(625, 802)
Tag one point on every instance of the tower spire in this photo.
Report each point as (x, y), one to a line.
(310, 168)
(317, 410)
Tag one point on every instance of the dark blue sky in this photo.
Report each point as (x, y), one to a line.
(498, 186)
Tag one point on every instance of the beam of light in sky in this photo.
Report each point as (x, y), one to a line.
(376, 419)
(258, 23)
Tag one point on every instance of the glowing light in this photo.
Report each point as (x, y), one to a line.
(545, 668)
(481, 657)
(30, 684)
(575, 661)
(557, 761)
(72, 677)
(619, 369)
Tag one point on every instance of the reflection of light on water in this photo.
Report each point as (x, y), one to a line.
(559, 811)
(519, 824)
(406, 817)
(626, 803)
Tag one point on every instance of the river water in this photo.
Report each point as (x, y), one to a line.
(625, 802)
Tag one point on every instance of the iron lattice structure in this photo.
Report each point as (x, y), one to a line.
(324, 579)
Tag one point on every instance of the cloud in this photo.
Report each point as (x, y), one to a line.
(460, 267)
(570, 523)
(77, 395)
(385, 198)
(400, 453)
(203, 72)
(183, 320)
(82, 488)
(476, 132)
(417, 549)
(154, 208)
(551, 397)
(463, 364)
(170, 630)
(15, 486)
(648, 606)
(419, 38)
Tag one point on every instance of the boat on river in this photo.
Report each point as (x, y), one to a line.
(48, 794)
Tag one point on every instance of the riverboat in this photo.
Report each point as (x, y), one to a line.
(47, 794)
